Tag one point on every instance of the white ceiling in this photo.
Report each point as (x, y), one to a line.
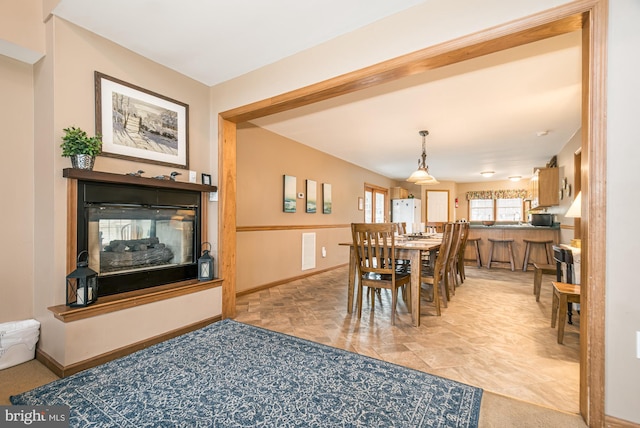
(483, 114)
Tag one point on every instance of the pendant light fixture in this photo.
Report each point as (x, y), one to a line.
(421, 176)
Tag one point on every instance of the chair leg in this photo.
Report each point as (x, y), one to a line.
(436, 297)
(549, 253)
(561, 317)
(537, 283)
(511, 260)
(525, 263)
(554, 308)
(478, 258)
(490, 255)
(394, 302)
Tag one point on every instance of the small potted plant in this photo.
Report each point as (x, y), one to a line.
(81, 148)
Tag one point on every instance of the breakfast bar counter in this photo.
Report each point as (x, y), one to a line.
(517, 232)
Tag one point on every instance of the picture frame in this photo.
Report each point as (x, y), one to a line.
(312, 198)
(326, 198)
(289, 194)
(206, 179)
(140, 125)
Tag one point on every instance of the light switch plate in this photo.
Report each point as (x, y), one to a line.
(213, 196)
(192, 176)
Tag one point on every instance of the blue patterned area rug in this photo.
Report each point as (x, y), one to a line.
(230, 374)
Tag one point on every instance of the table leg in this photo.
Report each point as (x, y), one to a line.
(352, 278)
(415, 286)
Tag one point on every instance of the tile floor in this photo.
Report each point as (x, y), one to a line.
(494, 335)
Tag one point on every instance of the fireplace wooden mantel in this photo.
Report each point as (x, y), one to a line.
(108, 177)
(126, 300)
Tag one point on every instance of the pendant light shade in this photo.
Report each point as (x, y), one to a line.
(421, 175)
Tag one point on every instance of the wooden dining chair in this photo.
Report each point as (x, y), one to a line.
(435, 275)
(402, 265)
(374, 245)
(451, 279)
(461, 248)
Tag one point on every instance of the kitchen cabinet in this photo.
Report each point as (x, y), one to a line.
(398, 193)
(544, 188)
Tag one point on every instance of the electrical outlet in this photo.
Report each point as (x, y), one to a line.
(637, 344)
(324, 252)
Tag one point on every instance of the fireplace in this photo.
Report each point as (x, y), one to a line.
(138, 234)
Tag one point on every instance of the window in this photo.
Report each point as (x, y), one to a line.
(375, 204)
(495, 209)
(480, 209)
(509, 209)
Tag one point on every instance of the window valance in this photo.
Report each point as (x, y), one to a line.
(497, 194)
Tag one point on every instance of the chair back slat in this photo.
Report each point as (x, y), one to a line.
(563, 258)
(375, 247)
(445, 247)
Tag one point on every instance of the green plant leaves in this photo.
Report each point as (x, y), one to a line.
(76, 142)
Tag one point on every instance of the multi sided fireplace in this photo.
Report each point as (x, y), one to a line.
(138, 232)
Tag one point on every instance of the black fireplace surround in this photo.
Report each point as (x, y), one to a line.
(138, 237)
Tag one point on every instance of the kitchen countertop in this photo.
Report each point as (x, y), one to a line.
(514, 226)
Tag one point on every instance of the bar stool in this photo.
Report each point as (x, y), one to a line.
(508, 242)
(476, 242)
(530, 242)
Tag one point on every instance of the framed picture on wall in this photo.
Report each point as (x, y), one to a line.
(326, 198)
(289, 194)
(312, 197)
(206, 179)
(139, 125)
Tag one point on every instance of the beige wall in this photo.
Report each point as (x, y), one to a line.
(567, 170)
(369, 45)
(21, 30)
(268, 256)
(18, 249)
(64, 96)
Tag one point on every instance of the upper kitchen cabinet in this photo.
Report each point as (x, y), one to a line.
(544, 187)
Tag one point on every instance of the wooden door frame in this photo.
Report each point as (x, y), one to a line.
(587, 15)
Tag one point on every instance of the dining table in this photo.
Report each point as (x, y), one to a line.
(407, 247)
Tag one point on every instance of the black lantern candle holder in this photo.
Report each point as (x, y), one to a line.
(205, 265)
(82, 284)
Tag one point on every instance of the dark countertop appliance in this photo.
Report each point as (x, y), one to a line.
(541, 220)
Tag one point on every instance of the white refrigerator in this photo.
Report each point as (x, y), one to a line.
(408, 211)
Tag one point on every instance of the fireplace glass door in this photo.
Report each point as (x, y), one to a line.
(125, 239)
(138, 237)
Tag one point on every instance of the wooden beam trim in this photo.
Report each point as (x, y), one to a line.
(291, 227)
(227, 214)
(467, 47)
